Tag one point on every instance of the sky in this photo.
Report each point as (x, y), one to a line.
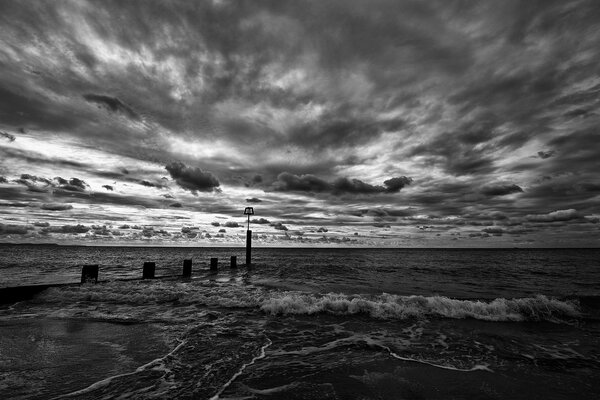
(343, 123)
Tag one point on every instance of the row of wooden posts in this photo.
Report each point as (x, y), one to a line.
(90, 272)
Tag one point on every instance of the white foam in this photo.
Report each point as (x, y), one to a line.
(234, 377)
(157, 364)
(479, 367)
(388, 306)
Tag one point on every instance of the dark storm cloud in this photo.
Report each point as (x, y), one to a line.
(355, 186)
(3, 180)
(303, 183)
(56, 206)
(260, 221)
(459, 153)
(565, 191)
(338, 130)
(395, 184)
(501, 189)
(253, 200)
(590, 187)
(112, 104)
(108, 187)
(310, 183)
(192, 179)
(20, 107)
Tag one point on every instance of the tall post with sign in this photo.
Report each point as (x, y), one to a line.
(248, 211)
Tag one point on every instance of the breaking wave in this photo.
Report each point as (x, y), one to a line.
(388, 306)
(274, 302)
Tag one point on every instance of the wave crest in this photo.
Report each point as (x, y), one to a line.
(388, 306)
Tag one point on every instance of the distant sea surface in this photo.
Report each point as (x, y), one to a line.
(303, 324)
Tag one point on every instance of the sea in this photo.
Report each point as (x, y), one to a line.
(302, 323)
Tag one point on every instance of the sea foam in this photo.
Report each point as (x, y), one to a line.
(389, 306)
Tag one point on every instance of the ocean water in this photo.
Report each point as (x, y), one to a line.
(303, 324)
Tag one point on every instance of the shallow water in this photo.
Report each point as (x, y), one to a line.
(305, 323)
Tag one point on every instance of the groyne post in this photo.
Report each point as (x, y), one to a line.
(233, 261)
(187, 268)
(148, 272)
(214, 262)
(248, 248)
(249, 211)
(89, 272)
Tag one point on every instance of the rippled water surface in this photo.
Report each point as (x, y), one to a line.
(303, 323)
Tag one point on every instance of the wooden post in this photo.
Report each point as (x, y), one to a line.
(233, 261)
(89, 272)
(248, 248)
(149, 268)
(214, 264)
(187, 268)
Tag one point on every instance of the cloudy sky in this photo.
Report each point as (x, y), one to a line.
(360, 123)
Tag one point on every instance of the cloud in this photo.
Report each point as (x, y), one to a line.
(3, 180)
(41, 224)
(279, 226)
(231, 224)
(100, 230)
(176, 205)
(501, 189)
(11, 229)
(112, 104)
(192, 179)
(545, 154)
(253, 200)
(56, 207)
(8, 136)
(381, 225)
(559, 215)
(69, 229)
(28, 179)
(72, 185)
(260, 221)
(257, 179)
(496, 231)
(354, 186)
(454, 94)
(310, 183)
(150, 184)
(108, 187)
(395, 184)
(303, 183)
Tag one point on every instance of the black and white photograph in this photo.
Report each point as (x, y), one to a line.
(300, 199)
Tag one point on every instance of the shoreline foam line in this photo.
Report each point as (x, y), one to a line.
(473, 369)
(230, 381)
(107, 381)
